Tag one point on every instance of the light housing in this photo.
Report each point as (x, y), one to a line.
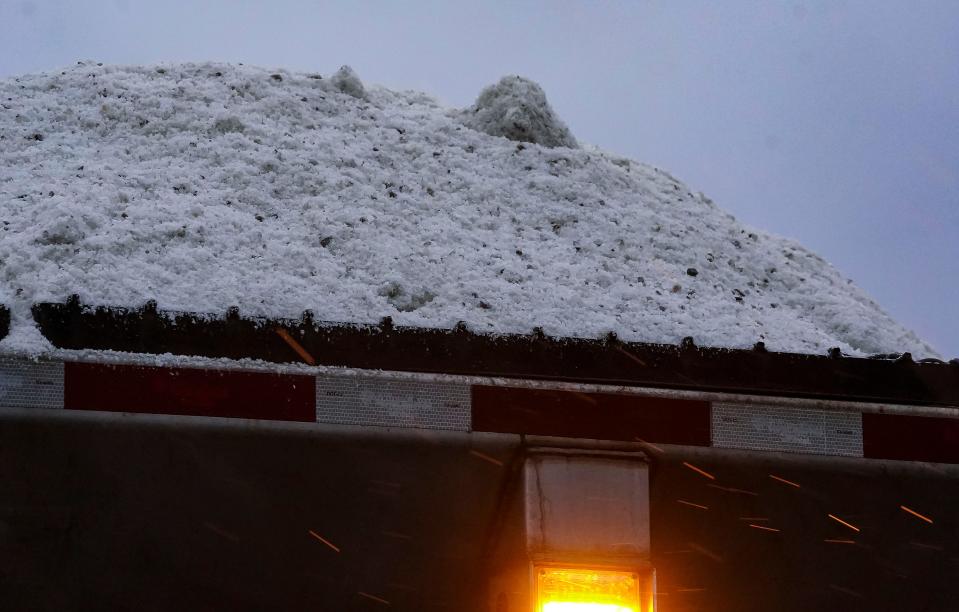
(574, 531)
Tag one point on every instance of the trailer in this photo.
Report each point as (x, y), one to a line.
(158, 460)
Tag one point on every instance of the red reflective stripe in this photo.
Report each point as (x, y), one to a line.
(910, 438)
(185, 391)
(601, 416)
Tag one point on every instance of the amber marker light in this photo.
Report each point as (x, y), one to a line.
(564, 589)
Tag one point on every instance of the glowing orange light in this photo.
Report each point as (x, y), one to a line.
(585, 398)
(732, 489)
(784, 481)
(373, 598)
(631, 356)
(916, 514)
(561, 589)
(699, 471)
(296, 346)
(650, 445)
(324, 540)
(487, 458)
(579, 606)
(839, 520)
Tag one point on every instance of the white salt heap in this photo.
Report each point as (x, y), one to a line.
(204, 186)
(516, 108)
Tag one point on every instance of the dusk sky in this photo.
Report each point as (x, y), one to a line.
(832, 122)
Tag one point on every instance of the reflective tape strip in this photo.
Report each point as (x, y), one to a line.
(31, 384)
(409, 400)
(796, 430)
(393, 403)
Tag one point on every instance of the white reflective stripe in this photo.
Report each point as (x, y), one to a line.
(797, 430)
(30, 384)
(356, 400)
(372, 398)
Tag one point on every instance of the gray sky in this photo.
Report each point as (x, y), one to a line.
(833, 122)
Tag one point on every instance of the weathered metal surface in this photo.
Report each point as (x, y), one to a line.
(535, 356)
(154, 513)
(587, 505)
